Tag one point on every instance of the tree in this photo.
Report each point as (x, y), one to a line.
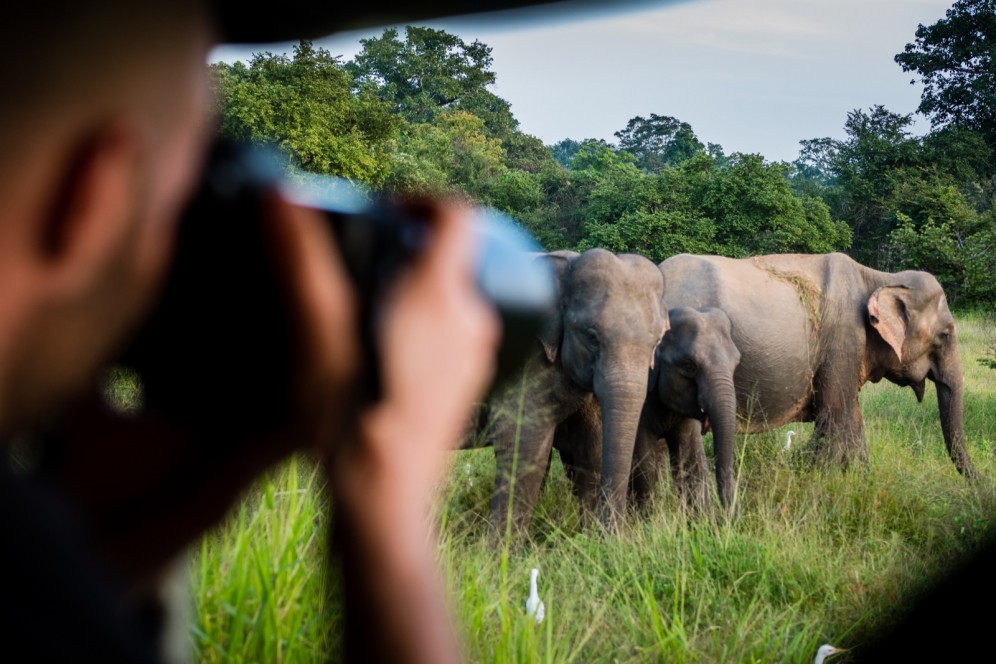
(303, 106)
(427, 72)
(453, 154)
(743, 207)
(527, 153)
(597, 156)
(956, 61)
(937, 230)
(432, 72)
(980, 247)
(563, 151)
(656, 216)
(756, 212)
(858, 176)
(658, 141)
(719, 158)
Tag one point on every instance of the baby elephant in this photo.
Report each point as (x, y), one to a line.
(691, 389)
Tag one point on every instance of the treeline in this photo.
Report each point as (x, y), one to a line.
(413, 113)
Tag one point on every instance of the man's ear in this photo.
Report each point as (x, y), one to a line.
(93, 203)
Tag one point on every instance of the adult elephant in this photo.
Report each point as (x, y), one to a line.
(812, 329)
(691, 388)
(584, 389)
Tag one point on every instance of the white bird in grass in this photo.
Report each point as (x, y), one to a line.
(534, 605)
(788, 440)
(827, 650)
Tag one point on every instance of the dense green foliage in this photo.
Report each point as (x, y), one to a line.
(911, 203)
(303, 106)
(413, 112)
(658, 141)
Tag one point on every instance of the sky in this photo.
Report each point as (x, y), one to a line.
(755, 76)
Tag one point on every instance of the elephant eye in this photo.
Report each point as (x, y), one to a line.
(592, 335)
(687, 368)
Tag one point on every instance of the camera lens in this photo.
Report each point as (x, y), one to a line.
(222, 314)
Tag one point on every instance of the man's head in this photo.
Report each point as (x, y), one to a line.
(100, 144)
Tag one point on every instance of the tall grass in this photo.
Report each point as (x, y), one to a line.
(813, 557)
(260, 594)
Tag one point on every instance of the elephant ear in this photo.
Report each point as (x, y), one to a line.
(888, 314)
(552, 332)
(653, 374)
(665, 326)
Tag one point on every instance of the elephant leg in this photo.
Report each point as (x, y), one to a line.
(579, 441)
(522, 456)
(648, 467)
(674, 462)
(839, 428)
(688, 463)
(546, 468)
(648, 455)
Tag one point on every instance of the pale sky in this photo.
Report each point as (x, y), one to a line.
(751, 75)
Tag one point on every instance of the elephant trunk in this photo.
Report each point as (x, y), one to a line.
(719, 400)
(950, 387)
(621, 396)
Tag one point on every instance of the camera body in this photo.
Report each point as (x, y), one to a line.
(218, 349)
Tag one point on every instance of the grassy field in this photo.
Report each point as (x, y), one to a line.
(813, 557)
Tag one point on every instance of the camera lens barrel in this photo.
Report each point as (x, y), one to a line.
(378, 238)
(222, 314)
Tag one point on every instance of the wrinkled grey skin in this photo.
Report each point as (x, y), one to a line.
(585, 388)
(692, 387)
(812, 329)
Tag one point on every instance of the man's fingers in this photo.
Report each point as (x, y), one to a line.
(453, 251)
(319, 294)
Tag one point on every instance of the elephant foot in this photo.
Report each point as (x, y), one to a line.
(693, 486)
(698, 499)
(965, 468)
(505, 532)
(841, 454)
(610, 518)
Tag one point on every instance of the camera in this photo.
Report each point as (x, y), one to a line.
(218, 348)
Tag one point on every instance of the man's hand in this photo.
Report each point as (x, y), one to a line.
(437, 347)
(437, 343)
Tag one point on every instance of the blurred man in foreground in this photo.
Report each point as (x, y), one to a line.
(102, 136)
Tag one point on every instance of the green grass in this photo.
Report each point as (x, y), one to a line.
(814, 557)
(260, 595)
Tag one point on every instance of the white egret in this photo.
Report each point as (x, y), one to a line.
(534, 605)
(788, 441)
(827, 650)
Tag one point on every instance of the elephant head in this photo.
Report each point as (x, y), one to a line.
(610, 320)
(917, 340)
(694, 379)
